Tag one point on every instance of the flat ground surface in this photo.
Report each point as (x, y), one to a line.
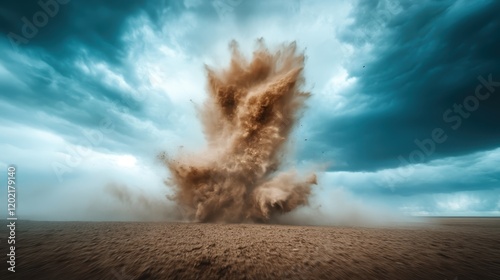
(455, 248)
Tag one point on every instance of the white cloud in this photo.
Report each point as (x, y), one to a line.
(429, 189)
(457, 203)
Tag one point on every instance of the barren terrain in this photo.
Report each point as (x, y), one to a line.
(452, 248)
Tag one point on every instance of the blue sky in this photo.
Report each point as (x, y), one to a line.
(404, 111)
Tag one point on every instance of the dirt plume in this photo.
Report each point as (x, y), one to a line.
(251, 109)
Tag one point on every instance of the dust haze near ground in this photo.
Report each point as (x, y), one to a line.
(132, 205)
(338, 207)
(251, 109)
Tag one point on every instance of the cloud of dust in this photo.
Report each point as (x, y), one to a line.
(251, 109)
(338, 207)
(134, 206)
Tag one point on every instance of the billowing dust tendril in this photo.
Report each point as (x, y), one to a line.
(251, 109)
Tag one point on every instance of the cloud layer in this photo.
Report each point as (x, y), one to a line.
(404, 107)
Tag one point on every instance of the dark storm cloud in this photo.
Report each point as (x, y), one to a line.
(46, 71)
(139, 63)
(70, 105)
(426, 57)
(43, 73)
(73, 25)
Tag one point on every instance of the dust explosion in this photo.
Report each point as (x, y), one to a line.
(251, 109)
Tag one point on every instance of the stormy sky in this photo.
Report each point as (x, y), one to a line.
(404, 110)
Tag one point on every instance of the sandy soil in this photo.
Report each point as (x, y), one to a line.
(442, 249)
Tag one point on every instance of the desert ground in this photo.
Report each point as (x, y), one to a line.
(438, 248)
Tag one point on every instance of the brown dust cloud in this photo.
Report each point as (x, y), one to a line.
(247, 118)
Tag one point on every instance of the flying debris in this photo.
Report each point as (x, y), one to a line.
(251, 109)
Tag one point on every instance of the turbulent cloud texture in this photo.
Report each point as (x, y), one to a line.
(101, 87)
